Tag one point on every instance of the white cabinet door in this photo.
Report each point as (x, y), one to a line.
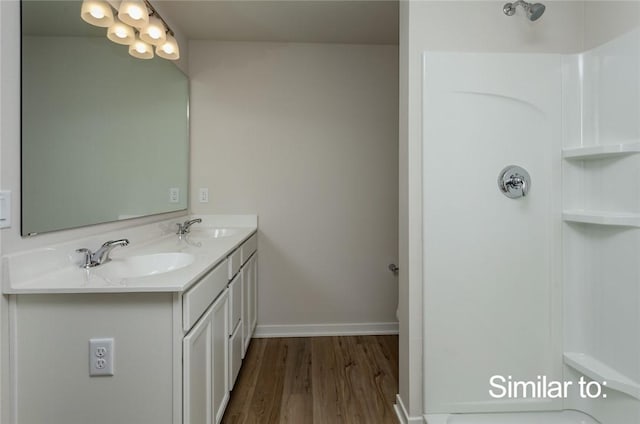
(235, 303)
(205, 367)
(253, 290)
(249, 300)
(246, 302)
(220, 353)
(235, 355)
(196, 374)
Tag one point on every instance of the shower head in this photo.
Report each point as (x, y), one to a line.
(533, 11)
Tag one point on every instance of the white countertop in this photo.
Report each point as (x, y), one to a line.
(59, 273)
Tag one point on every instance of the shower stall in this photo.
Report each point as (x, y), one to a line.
(531, 235)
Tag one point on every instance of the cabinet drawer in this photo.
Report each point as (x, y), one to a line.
(235, 302)
(248, 247)
(199, 297)
(234, 263)
(235, 355)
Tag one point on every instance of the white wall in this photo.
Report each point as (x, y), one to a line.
(605, 20)
(409, 400)
(306, 136)
(469, 26)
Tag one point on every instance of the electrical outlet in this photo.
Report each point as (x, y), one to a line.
(101, 357)
(204, 195)
(174, 195)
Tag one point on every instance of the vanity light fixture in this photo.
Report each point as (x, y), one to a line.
(121, 33)
(97, 12)
(137, 25)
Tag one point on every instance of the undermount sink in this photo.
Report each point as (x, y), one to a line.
(213, 232)
(144, 265)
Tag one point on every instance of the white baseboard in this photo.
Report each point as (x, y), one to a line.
(403, 416)
(436, 418)
(312, 330)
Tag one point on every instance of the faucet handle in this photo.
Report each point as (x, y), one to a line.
(180, 230)
(120, 242)
(86, 262)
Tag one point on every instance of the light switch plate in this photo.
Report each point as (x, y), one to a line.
(204, 195)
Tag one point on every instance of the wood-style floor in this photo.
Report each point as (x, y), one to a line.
(317, 380)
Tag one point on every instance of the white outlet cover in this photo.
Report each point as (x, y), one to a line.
(174, 195)
(101, 357)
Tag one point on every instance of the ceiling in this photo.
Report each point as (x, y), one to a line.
(310, 21)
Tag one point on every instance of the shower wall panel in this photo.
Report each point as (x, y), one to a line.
(492, 274)
(601, 233)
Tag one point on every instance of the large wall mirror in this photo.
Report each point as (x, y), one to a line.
(104, 135)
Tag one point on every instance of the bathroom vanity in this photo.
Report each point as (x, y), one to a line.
(179, 311)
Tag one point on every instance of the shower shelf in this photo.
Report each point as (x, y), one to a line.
(601, 151)
(598, 371)
(602, 218)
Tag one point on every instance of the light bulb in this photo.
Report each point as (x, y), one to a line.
(155, 33)
(140, 48)
(97, 12)
(168, 48)
(121, 32)
(135, 12)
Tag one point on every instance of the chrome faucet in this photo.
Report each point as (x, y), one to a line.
(184, 227)
(100, 256)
